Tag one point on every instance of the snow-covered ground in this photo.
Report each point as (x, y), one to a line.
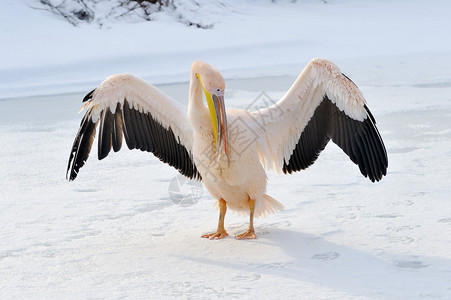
(116, 233)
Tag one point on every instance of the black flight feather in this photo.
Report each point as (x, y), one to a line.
(141, 131)
(359, 140)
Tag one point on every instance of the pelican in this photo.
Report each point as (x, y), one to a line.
(230, 151)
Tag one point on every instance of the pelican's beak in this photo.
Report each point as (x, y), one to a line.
(218, 102)
(218, 116)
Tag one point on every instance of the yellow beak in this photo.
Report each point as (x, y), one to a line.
(218, 116)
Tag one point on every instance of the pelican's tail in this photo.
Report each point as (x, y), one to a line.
(267, 205)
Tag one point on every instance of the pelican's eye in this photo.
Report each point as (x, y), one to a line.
(218, 91)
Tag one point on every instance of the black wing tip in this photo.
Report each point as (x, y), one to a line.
(379, 176)
(81, 146)
(72, 176)
(88, 96)
(69, 172)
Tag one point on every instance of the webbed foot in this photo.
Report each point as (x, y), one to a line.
(216, 235)
(248, 235)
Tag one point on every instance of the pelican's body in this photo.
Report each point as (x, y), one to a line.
(230, 151)
(236, 176)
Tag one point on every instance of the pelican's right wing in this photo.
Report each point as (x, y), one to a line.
(125, 105)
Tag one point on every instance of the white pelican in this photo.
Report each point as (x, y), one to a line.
(230, 151)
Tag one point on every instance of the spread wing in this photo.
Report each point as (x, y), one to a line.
(322, 104)
(125, 105)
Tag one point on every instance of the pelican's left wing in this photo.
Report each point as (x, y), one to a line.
(322, 104)
(125, 105)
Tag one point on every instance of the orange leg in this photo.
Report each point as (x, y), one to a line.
(220, 232)
(250, 233)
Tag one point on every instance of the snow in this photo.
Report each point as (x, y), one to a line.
(46, 55)
(115, 232)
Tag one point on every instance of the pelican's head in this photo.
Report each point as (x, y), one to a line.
(213, 85)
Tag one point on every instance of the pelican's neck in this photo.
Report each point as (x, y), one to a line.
(197, 111)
